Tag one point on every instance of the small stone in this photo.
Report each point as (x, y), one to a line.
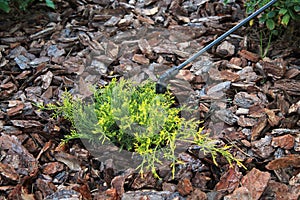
(242, 111)
(99, 66)
(245, 100)
(22, 62)
(37, 61)
(247, 74)
(219, 89)
(54, 51)
(225, 49)
(202, 66)
(263, 147)
(284, 142)
(226, 116)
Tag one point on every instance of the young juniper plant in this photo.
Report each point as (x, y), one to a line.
(137, 119)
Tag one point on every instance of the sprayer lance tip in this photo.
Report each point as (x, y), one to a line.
(160, 88)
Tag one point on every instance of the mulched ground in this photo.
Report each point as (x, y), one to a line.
(248, 102)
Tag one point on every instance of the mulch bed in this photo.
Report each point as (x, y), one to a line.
(245, 101)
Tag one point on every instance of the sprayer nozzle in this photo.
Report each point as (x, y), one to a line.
(160, 88)
(161, 85)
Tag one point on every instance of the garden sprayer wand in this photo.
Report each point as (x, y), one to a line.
(161, 85)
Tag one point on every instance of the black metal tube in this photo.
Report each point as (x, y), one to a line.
(174, 70)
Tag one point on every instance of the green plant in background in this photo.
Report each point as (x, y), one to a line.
(264, 51)
(136, 119)
(278, 16)
(5, 5)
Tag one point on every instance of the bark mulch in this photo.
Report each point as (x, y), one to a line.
(245, 101)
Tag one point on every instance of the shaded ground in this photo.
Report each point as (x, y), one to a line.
(43, 53)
